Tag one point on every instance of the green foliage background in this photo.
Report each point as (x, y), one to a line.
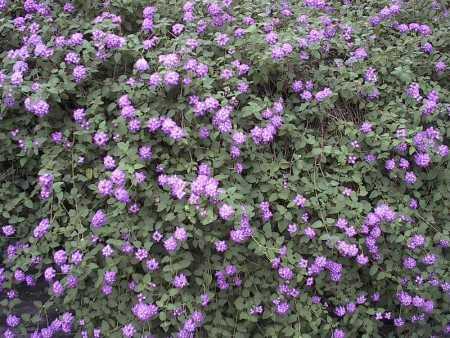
(308, 157)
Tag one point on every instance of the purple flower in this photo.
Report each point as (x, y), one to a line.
(134, 125)
(226, 212)
(170, 61)
(118, 177)
(152, 264)
(156, 79)
(105, 187)
(306, 95)
(300, 201)
(171, 78)
(271, 38)
(265, 211)
(41, 229)
(427, 48)
(366, 127)
(409, 263)
(440, 67)
(101, 138)
(12, 320)
(128, 331)
(180, 281)
(60, 257)
(410, 178)
(413, 91)
(309, 232)
(76, 258)
(222, 39)
(49, 274)
(170, 244)
(8, 230)
(40, 108)
(422, 159)
(141, 254)
(177, 29)
(109, 162)
(141, 65)
(429, 259)
(57, 289)
(399, 322)
(180, 234)
(362, 260)
(221, 246)
(145, 153)
(292, 228)
(338, 333)
(282, 308)
(121, 194)
(107, 251)
(285, 273)
(371, 75)
(442, 150)
(79, 73)
(99, 219)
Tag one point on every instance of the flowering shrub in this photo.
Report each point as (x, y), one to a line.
(224, 168)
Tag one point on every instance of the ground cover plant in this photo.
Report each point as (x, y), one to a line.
(224, 168)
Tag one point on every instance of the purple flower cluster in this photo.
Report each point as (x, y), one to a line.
(40, 108)
(422, 29)
(264, 208)
(316, 4)
(204, 186)
(282, 308)
(99, 219)
(429, 142)
(304, 90)
(320, 264)
(323, 94)
(226, 212)
(358, 54)
(200, 108)
(386, 13)
(222, 119)
(41, 229)
(145, 312)
(430, 103)
(346, 249)
(8, 230)
(406, 300)
(228, 277)
(46, 184)
(440, 67)
(63, 325)
(256, 310)
(266, 134)
(167, 126)
(372, 227)
(191, 325)
(180, 281)
(244, 232)
(172, 243)
(416, 241)
(300, 201)
(112, 187)
(106, 43)
(176, 185)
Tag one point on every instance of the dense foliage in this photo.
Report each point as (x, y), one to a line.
(224, 168)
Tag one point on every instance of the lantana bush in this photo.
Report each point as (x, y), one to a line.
(224, 168)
